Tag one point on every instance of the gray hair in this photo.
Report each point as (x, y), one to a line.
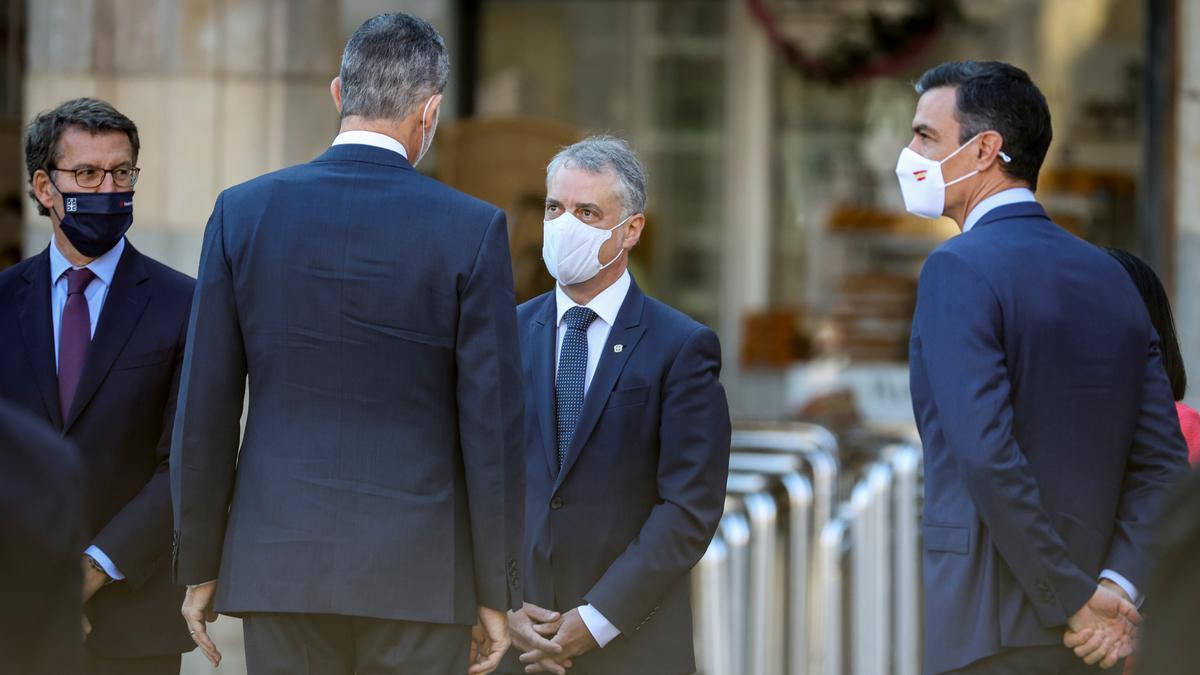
(598, 154)
(391, 64)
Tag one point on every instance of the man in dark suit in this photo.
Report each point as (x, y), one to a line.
(42, 494)
(1050, 432)
(373, 514)
(91, 342)
(626, 439)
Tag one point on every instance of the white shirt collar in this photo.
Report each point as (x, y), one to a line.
(372, 138)
(1003, 198)
(103, 267)
(606, 305)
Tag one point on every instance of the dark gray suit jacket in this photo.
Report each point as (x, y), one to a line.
(380, 474)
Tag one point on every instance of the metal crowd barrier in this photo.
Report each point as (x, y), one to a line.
(868, 570)
(797, 582)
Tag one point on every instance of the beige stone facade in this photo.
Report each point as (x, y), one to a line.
(221, 91)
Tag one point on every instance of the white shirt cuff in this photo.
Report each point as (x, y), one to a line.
(1124, 583)
(600, 628)
(109, 568)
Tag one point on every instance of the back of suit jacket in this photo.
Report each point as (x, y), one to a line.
(372, 310)
(121, 422)
(1049, 429)
(642, 486)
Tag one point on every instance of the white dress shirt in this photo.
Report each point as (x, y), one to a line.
(1018, 196)
(372, 138)
(606, 305)
(104, 268)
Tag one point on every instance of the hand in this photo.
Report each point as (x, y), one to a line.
(489, 641)
(93, 580)
(198, 609)
(533, 638)
(572, 634)
(1103, 630)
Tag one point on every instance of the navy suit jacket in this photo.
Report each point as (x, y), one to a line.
(380, 476)
(1050, 433)
(121, 422)
(641, 489)
(42, 495)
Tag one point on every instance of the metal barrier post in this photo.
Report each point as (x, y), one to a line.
(825, 657)
(906, 461)
(710, 587)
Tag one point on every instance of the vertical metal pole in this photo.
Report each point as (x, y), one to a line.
(907, 649)
(763, 646)
(735, 530)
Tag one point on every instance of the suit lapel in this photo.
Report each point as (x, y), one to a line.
(544, 343)
(627, 333)
(123, 306)
(37, 329)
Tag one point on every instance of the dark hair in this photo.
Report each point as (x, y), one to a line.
(1155, 297)
(391, 64)
(43, 134)
(996, 96)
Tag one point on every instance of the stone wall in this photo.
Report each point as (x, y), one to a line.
(221, 91)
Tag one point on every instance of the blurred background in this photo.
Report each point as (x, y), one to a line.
(770, 130)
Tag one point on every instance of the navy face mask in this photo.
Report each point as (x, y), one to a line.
(95, 221)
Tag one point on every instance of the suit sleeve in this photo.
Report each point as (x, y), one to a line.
(490, 414)
(1157, 460)
(959, 321)
(137, 540)
(693, 466)
(204, 445)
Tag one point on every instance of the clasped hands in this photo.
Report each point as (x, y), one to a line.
(1105, 629)
(549, 640)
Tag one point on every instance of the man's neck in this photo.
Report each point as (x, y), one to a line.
(584, 292)
(395, 130)
(963, 211)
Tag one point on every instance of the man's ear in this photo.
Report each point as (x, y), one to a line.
(335, 90)
(43, 189)
(635, 226)
(435, 107)
(990, 149)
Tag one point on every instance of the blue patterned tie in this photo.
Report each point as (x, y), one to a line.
(572, 372)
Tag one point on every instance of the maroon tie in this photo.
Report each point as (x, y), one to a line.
(75, 333)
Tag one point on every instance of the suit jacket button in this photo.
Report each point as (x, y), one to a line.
(556, 503)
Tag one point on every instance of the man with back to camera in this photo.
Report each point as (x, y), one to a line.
(1050, 431)
(373, 515)
(91, 342)
(627, 438)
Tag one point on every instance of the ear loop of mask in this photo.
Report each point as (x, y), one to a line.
(622, 250)
(422, 150)
(951, 155)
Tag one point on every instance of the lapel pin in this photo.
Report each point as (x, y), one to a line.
(618, 348)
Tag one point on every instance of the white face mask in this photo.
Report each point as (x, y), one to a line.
(571, 248)
(425, 146)
(922, 182)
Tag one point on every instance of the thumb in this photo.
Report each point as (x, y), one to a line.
(541, 615)
(1131, 613)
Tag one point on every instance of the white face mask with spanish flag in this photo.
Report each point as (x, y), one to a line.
(922, 182)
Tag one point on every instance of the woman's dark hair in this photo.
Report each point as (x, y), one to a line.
(1159, 306)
